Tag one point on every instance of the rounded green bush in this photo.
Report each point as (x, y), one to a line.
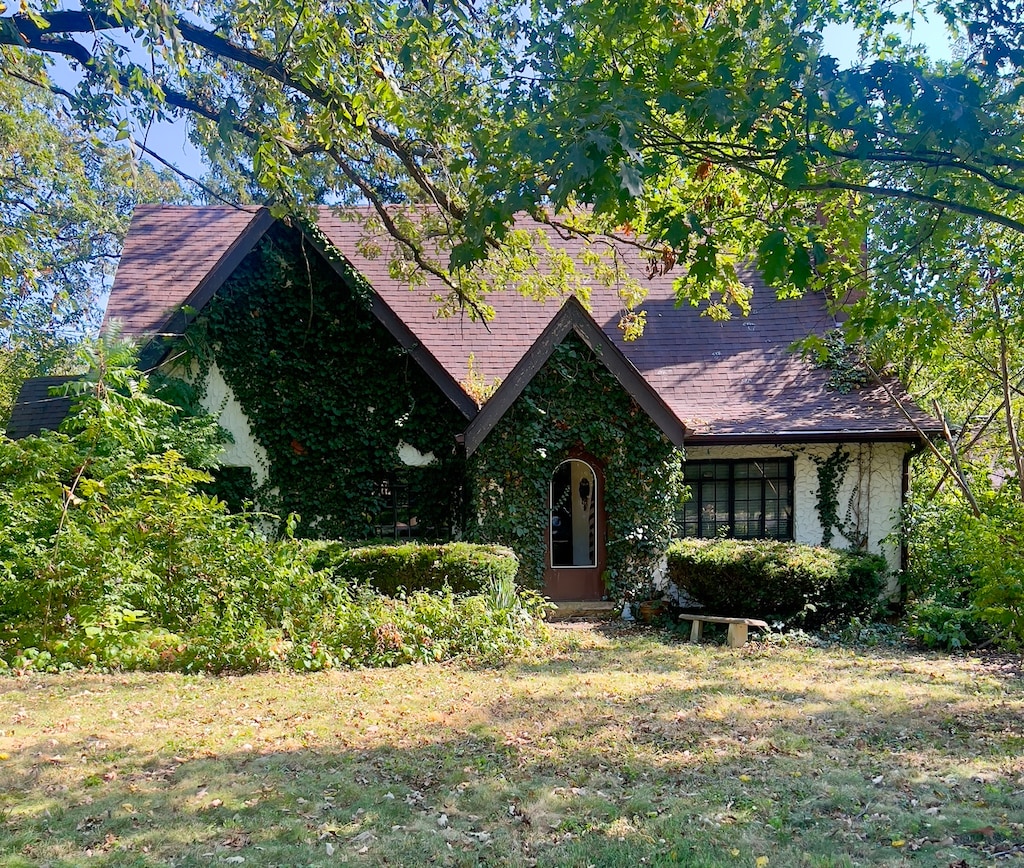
(800, 585)
(465, 568)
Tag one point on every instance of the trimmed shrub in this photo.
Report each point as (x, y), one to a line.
(464, 568)
(800, 585)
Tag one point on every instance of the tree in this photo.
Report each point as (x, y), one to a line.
(708, 131)
(65, 199)
(701, 134)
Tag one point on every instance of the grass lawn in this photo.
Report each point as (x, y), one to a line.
(615, 747)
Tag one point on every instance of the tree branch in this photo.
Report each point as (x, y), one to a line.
(954, 470)
(28, 34)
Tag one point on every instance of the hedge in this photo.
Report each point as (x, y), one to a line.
(389, 569)
(799, 585)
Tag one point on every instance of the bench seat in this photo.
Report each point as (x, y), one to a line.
(737, 627)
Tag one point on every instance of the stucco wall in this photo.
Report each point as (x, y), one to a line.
(871, 489)
(246, 451)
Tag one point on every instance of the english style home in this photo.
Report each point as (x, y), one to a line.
(754, 419)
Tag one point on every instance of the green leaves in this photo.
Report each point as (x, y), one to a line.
(66, 194)
(286, 317)
(641, 113)
(574, 402)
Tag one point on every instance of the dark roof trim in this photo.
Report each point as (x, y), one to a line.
(176, 323)
(437, 373)
(779, 437)
(572, 317)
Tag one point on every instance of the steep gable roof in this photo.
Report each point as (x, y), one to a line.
(572, 317)
(177, 256)
(732, 381)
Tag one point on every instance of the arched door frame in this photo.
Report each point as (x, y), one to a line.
(577, 581)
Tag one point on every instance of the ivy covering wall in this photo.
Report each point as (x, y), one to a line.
(574, 404)
(330, 394)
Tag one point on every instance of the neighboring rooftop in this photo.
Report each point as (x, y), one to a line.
(36, 410)
(736, 380)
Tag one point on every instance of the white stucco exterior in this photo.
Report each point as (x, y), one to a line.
(871, 492)
(219, 400)
(410, 456)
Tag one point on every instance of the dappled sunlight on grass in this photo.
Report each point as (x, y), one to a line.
(618, 748)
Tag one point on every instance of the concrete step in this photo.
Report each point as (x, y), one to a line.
(590, 610)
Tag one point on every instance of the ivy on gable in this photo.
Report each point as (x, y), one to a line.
(329, 393)
(574, 404)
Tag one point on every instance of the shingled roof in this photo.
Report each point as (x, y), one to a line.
(36, 410)
(732, 381)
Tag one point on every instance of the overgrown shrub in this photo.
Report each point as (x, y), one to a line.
(110, 556)
(800, 585)
(393, 569)
(370, 629)
(966, 582)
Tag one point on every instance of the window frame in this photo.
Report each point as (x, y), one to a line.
(697, 501)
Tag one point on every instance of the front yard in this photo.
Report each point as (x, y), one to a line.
(618, 747)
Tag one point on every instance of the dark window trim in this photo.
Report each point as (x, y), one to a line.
(697, 485)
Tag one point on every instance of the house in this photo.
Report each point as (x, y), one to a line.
(353, 404)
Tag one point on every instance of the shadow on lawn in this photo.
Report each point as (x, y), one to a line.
(643, 771)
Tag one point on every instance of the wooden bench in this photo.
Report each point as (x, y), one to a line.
(737, 627)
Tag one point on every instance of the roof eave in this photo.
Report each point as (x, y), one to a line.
(572, 317)
(825, 436)
(155, 349)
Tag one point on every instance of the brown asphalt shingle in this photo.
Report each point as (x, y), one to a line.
(168, 252)
(736, 378)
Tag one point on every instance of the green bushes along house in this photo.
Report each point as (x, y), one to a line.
(799, 585)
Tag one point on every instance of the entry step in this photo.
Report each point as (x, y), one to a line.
(568, 610)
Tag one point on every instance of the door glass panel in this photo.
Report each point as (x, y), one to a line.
(574, 515)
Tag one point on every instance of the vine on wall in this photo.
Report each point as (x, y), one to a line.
(329, 394)
(575, 404)
(832, 472)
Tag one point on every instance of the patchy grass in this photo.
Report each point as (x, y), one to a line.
(617, 748)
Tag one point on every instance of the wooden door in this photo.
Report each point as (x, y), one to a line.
(577, 532)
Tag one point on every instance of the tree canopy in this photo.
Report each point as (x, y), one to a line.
(66, 194)
(700, 132)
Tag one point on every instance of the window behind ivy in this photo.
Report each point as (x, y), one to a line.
(742, 499)
(396, 518)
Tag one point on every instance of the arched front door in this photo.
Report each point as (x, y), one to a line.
(576, 532)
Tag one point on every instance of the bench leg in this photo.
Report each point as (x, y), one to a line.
(696, 631)
(737, 637)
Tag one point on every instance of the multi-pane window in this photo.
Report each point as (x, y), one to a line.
(396, 517)
(743, 499)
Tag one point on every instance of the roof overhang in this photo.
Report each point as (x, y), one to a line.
(784, 437)
(572, 317)
(155, 350)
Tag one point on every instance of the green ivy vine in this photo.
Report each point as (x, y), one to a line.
(843, 362)
(831, 473)
(574, 405)
(329, 394)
